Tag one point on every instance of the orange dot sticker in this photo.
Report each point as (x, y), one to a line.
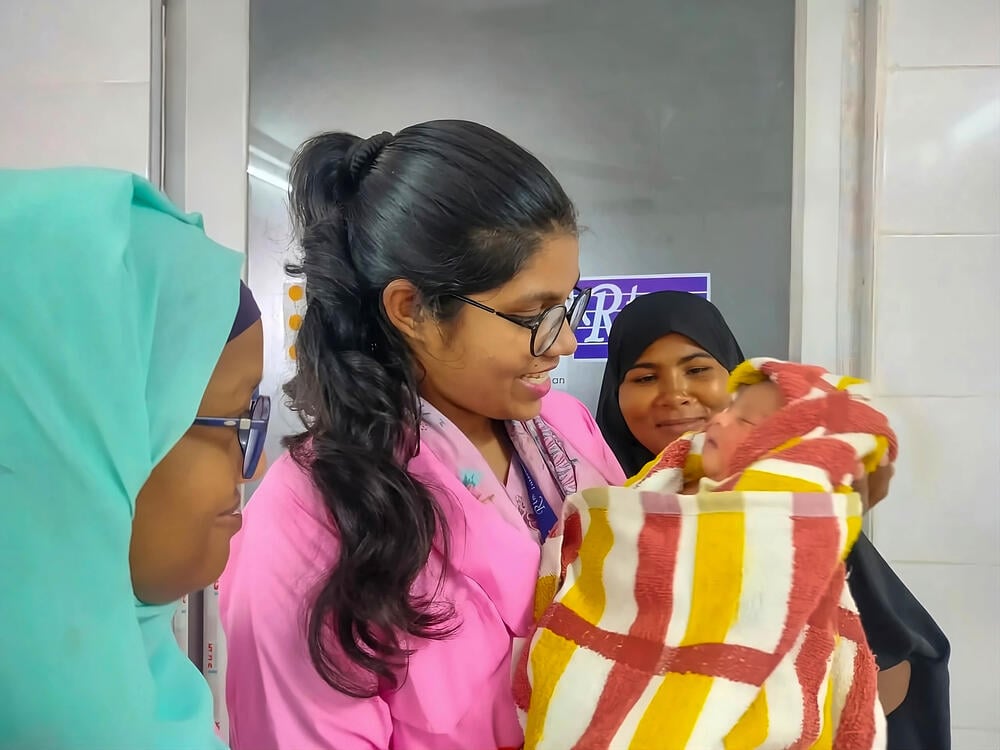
(293, 312)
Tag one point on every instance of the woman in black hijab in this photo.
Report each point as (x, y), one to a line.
(669, 354)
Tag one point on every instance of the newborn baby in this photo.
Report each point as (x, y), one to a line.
(732, 441)
(728, 430)
(705, 604)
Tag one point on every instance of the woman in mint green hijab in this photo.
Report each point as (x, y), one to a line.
(127, 424)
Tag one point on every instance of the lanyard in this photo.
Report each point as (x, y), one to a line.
(544, 515)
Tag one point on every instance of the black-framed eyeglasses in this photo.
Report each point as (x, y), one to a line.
(545, 326)
(251, 431)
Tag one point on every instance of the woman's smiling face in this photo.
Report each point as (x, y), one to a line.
(674, 387)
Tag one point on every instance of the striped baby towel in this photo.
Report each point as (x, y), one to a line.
(722, 619)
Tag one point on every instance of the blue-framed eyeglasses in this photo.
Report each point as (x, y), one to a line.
(251, 431)
(546, 325)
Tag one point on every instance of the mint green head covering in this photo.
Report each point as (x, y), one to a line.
(114, 309)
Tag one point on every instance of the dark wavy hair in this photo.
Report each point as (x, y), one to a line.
(454, 208)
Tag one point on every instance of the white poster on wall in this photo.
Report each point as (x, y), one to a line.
(180, 623)
(293, 309)
(214, 659)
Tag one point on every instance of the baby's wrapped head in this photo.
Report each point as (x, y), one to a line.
(786, 419)
(728, 430)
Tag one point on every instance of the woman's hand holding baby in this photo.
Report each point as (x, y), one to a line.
(874, 487)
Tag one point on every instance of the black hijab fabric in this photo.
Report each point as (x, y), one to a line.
(899, 629)
(638, 325)
(247, 313)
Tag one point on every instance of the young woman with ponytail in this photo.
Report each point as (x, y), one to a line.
(389, 560)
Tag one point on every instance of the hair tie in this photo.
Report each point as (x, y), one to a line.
(359, 160)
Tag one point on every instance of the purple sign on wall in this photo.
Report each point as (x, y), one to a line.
(612, 293)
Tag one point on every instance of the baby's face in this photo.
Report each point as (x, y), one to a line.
(731, 427)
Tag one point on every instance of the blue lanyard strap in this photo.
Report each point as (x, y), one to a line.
(544, 515)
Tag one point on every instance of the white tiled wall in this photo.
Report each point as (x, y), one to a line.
(75, 83)
(937, 330)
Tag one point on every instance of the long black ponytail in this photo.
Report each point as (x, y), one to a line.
(454, 208)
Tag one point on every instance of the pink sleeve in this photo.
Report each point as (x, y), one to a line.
(613, 469)
(571, 418)
(274, 695)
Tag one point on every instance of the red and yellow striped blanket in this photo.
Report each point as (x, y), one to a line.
(716, 620)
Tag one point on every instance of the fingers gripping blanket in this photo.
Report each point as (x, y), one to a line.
(722, 619)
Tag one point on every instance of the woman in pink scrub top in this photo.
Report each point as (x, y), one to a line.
(387, 563)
